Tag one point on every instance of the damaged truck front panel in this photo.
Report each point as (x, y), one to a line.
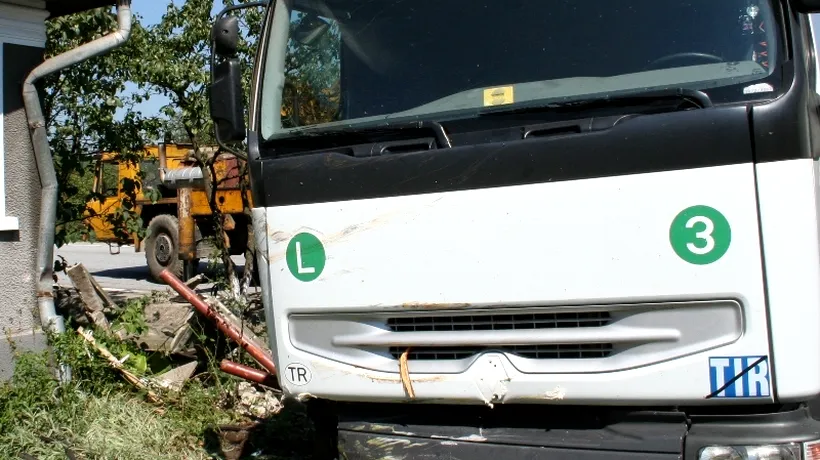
(577, 291)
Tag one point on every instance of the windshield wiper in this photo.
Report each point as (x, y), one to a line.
(365, 140)
(680, 97)
(366, 132)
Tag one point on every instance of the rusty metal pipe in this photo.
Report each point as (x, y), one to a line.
(205, 310)
(163, 160)
(248, 373)
(187, 230)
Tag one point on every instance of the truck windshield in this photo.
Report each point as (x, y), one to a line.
(340, 63)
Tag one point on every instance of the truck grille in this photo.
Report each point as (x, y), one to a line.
(499, 322)
(583, 351)
(536, 339)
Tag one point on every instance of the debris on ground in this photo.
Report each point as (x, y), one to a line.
(142, 384)
(196, 281)
(168, 328)
(94, 298)
(225, 320)
(175, 378)
(232, 439)
(235, 322)
(164, 344)
(256, 403)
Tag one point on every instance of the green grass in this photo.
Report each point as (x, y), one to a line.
(115, 426)
(100, 420)
(98, 415)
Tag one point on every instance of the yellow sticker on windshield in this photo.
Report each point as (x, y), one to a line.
(498, 96)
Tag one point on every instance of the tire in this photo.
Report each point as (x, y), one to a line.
(162, 247)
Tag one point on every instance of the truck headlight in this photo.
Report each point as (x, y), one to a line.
(791, 451)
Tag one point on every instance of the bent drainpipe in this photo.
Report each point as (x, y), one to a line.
(49, 318)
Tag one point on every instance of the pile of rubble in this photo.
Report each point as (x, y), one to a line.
(168, 330)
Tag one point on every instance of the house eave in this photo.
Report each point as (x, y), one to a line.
(58, 8)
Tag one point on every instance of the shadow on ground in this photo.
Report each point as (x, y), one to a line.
(288, 435)
(140, 272)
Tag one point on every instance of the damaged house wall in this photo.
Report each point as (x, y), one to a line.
(22, 43)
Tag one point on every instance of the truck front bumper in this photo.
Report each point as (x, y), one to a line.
(558, 433)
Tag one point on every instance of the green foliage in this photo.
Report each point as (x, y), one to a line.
(80, 103)
(28, 391)
(175, 64)
(177, 54)
(88, 368)
(131, 317)
(170, 58)
(99, 415)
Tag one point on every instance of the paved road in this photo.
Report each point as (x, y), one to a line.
(125, 271)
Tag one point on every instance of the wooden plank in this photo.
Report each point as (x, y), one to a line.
(117, 364)
(107, 300)
(196, 281)
(92, 303)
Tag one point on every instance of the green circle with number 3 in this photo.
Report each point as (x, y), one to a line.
(700, 235)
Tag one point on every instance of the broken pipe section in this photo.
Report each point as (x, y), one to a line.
(205, 310)
(248, 373)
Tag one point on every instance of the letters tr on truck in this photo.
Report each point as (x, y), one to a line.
(564, 229)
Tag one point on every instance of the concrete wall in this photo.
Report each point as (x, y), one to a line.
(22, 38)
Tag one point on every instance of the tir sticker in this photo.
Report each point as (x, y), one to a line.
(298, 374)
(700, 235)
(739, 377)
(305, 257)
(499, 96)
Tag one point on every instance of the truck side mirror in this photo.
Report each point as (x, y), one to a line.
(225, 91)
(225, 34)
(227, 109)
(806, 6)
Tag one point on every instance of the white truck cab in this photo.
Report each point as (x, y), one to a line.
(565, 229)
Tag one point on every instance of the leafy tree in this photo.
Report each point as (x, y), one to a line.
(176, 65)
(171, 59)
(79, 104)
(174, 131)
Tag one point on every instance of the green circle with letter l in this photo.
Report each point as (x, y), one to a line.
(700, 235)
(305, 257)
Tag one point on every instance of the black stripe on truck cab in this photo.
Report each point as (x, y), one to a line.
(641, 144)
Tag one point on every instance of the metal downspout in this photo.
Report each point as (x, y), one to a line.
(45, 164)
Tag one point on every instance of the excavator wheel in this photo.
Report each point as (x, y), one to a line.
(162, 247)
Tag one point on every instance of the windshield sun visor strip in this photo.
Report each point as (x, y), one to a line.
(638, 144)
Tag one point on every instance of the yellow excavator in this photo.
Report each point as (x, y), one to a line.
(179, 223)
